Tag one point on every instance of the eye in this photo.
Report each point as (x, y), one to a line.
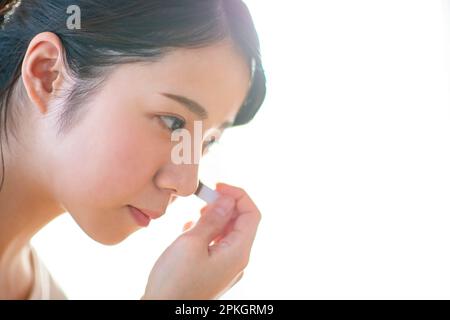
(172, 123)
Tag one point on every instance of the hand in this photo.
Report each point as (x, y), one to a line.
(207, 259)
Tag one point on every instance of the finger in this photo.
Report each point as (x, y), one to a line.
(187, 225)
(206, 208)
(243, 200)
(227, 229)
(214, 219)
(243, 230)
(243, 233)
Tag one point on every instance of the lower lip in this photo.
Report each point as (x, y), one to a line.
(140, 218)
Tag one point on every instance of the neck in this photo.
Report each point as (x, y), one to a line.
(26, 206)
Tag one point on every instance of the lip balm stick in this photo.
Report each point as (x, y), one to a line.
(206, 194)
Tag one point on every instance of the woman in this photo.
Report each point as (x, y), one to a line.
(90, 93)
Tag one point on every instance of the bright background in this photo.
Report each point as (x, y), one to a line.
(348, 160)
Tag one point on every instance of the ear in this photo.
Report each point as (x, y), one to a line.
(42, 69)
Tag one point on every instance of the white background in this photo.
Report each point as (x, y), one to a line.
(348, 160)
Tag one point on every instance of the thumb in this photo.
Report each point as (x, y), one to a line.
(214, 219)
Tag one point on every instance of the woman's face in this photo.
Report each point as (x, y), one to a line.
(119, 153)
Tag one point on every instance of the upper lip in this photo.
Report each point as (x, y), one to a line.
(151, 214)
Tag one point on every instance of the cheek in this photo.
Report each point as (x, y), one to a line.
(111, 165)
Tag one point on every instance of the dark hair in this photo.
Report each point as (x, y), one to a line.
(115, 32)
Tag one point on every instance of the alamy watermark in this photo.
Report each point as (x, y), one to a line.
(188, 150)
(74, 20)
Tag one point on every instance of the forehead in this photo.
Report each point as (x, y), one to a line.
(216, 76)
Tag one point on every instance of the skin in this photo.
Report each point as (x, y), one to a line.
(119, 154)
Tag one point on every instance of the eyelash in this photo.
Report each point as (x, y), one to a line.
(181, 125)
(208, 144)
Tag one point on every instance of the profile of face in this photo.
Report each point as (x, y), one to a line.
(118, 154)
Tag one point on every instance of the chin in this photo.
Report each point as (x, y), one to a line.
(107, 236)
(109, 240)
(104, 231)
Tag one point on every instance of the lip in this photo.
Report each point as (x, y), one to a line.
(140, 217)
(151, 214)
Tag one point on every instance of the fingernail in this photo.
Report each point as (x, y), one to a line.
(223, 206)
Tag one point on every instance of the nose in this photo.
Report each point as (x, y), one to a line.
(179, 179)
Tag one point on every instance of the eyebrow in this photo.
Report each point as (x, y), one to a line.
(194, 107)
